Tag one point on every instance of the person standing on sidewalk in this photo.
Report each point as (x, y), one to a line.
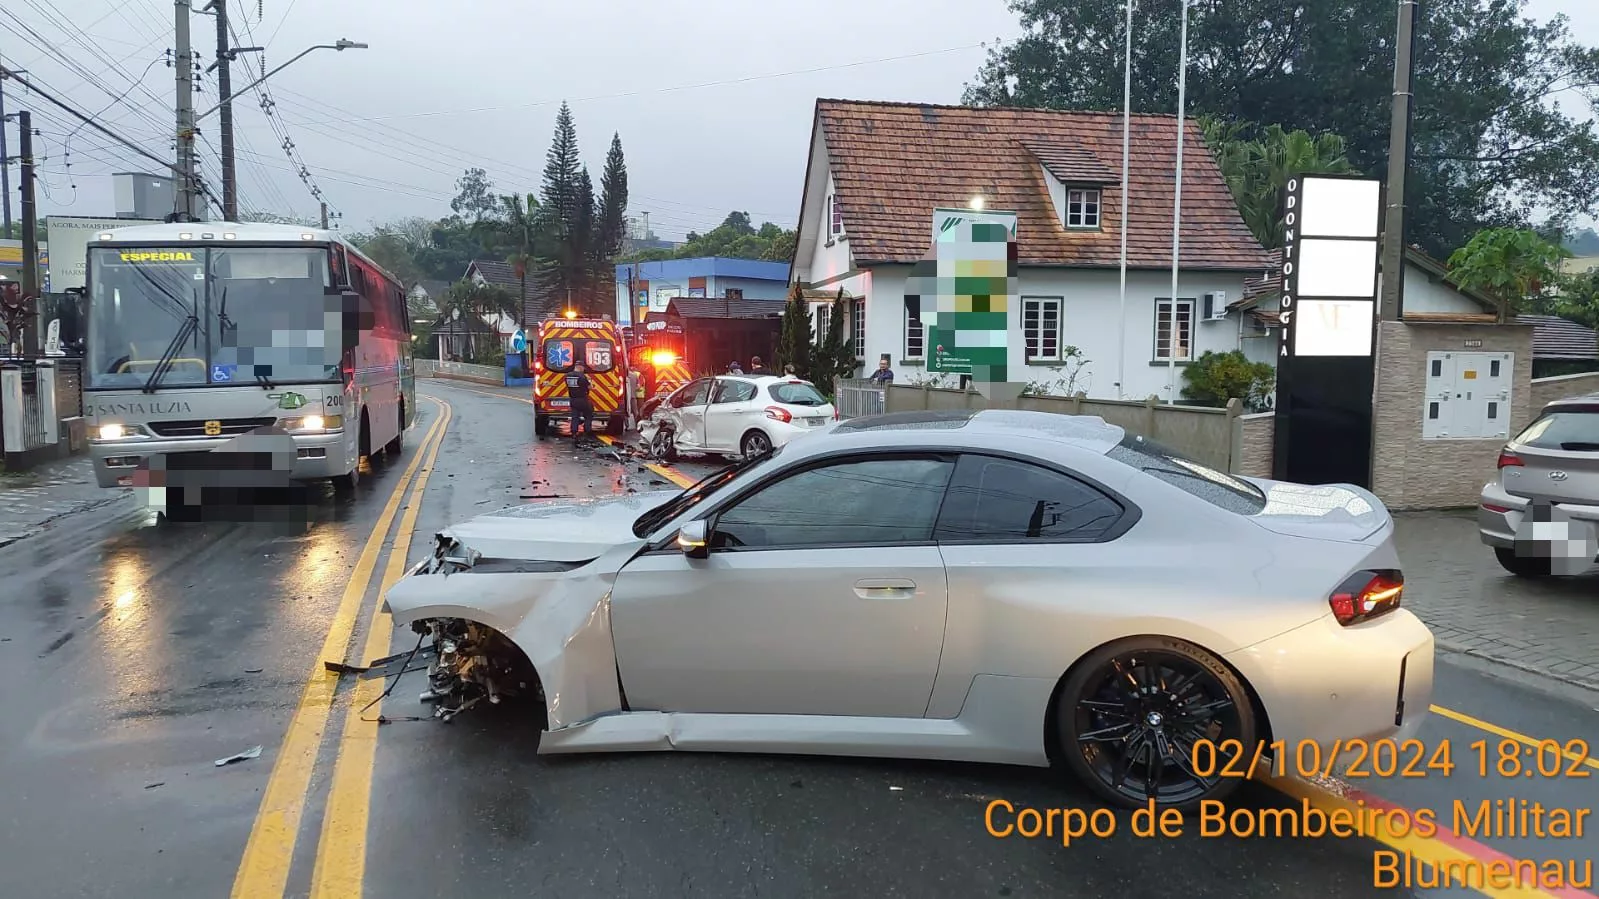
(577, 387)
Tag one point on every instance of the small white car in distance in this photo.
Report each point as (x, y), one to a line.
(746, 415)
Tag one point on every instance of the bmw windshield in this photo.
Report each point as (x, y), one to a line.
(217, 315)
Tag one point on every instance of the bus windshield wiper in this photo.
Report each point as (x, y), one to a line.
(264, 381)
(190, 324)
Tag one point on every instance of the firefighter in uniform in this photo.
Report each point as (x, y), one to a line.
(577, 387)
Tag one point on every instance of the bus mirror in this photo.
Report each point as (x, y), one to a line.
(357, 317)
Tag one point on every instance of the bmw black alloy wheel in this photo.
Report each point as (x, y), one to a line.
(1138, 716)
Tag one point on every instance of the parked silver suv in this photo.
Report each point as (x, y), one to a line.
(1547, 473)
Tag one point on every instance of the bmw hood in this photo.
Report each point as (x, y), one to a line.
(556, 530)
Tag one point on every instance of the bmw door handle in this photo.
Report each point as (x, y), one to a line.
(891, 588)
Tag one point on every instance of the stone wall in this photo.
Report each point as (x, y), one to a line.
(1412, 473)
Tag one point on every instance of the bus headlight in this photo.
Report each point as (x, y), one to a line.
(313, 424)
(112, 432)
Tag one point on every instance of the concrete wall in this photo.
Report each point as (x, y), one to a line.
(1412, 473)
(1547, 390)
(1211, 436)
(1255, 440)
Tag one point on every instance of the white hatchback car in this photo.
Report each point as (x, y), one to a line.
(736, 415)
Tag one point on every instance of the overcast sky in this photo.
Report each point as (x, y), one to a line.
(713, 98)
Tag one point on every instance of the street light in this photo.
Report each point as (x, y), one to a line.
(341, 45)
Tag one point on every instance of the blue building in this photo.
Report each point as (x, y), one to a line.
(654, 284)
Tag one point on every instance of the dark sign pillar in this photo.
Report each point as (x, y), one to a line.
(1326, 361)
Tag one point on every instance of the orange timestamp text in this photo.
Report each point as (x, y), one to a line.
(1307, 759)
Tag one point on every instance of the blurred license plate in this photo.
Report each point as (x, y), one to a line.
(560, 404)
(814, 422)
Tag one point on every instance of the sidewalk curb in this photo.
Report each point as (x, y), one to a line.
(1459, 649)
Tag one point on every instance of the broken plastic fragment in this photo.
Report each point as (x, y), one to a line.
(254, 752)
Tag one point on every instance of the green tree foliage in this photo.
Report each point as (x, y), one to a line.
(563, 239)
(1578, 298)
(1489, 148)
(1514, 266)
(734, 238)
(1215, 378)
(1257, 162)
(833, 356)
(475, 199)
(794, 343)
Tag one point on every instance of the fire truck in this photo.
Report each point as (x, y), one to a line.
(561, 343)
(660, 355)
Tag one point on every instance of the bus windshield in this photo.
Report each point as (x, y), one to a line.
(262, 314)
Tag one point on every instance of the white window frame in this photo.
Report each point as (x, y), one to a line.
(1033, 349)
(915, 339)
(1083, 198)
(1163, 310)
(858, 327)
(835, 222)
(821, 320)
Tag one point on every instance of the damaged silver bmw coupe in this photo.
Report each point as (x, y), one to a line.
(998, 586)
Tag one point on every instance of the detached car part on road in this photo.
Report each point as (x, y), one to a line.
(1003, 586)
(1548, 475)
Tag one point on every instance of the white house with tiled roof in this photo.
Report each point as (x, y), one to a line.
(877, 171)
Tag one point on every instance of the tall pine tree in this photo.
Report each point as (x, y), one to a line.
(560, 276)
(611, 225)
(582, 248)
(794, 343)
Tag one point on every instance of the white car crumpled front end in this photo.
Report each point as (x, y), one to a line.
(516, 602)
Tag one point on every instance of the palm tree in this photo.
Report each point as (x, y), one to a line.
(1257, 169)
(518, 231)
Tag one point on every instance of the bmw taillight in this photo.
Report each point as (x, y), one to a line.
(778, 413)
(1508, 459)
(1365, 595)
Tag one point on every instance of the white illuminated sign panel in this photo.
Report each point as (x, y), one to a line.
(1330, 250)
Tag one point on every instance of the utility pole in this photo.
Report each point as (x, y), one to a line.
(324, 215)
(1391, 305)
(5, 160)
(188, 181)
(230, 181)
(30, 238)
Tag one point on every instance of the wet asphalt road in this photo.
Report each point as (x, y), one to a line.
(136, 655)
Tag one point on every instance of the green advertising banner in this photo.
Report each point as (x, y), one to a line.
(964, 294)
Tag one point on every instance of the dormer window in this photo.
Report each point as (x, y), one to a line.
(1082, 207)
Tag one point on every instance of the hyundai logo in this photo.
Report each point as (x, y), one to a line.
(1557, 476)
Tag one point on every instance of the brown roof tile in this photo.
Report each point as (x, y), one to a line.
(892, 163)
(1074, 164)
(722, 307)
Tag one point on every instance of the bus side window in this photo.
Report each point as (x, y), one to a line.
(401, 315)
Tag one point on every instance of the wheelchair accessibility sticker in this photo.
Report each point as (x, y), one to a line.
(223, 372)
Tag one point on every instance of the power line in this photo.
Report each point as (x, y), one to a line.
(87, 120)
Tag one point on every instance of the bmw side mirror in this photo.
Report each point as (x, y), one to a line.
(693, 539)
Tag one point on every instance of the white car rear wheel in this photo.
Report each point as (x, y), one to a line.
(755, 443)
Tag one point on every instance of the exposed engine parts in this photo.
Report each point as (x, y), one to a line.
(473, 663)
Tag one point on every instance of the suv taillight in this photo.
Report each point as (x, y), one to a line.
(1508, 458)
(1365, 595)
(778, 413)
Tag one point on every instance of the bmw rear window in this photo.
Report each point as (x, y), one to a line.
(1214, 487)
(796, 393)
(1571, 428)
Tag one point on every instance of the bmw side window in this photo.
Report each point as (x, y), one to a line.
(872, 501)
(1003, 500)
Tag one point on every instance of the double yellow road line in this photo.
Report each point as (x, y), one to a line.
(341, 852)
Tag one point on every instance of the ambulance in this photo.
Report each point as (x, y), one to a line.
(661, 358)
(562, 342)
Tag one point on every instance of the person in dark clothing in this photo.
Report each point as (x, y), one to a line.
(884, 375)
(577, 387)
(756, 368)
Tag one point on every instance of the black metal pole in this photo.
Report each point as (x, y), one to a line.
(30, 238)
